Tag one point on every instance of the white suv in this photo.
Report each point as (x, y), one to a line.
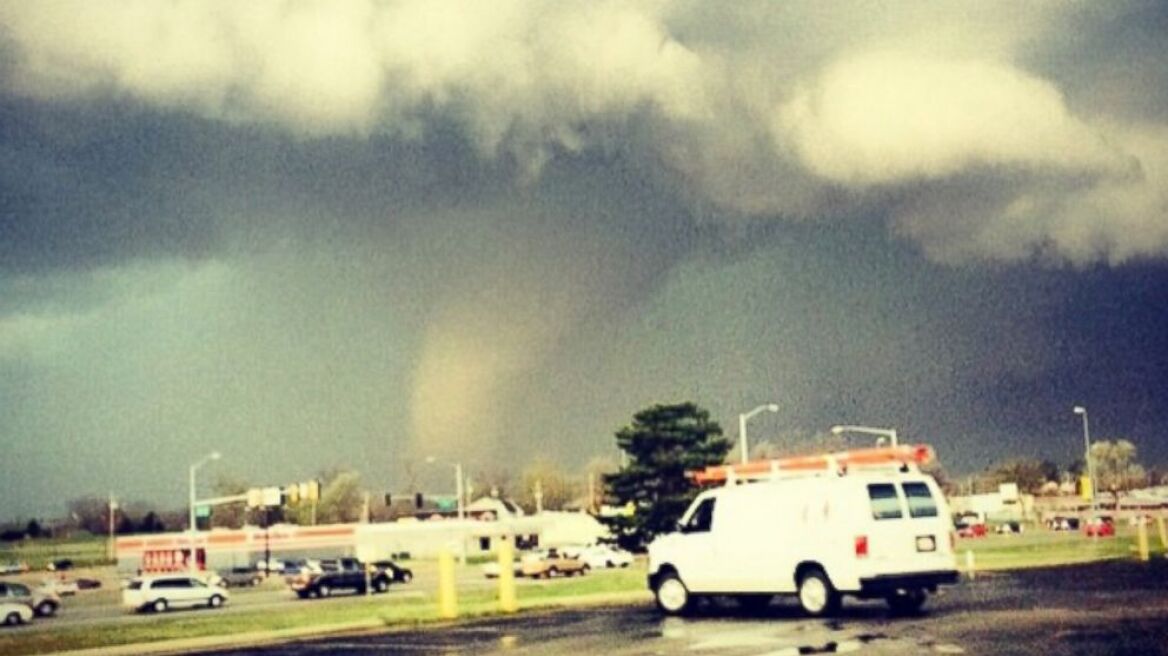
(158, 593)
(876, 534)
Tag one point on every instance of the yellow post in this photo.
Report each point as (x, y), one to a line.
(508, 603)
(1163, 533)
(447, 597)
(1142, 539)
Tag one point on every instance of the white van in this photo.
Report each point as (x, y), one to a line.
(881, 533)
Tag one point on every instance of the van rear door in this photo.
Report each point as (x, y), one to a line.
(907, 531)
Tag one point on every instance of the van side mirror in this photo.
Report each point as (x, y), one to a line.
(681, 526)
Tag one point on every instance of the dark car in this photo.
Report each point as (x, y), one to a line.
(60, 565)
(396, 572)
(239, 576)
(341, 574)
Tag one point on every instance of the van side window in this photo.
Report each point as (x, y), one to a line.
(920, 500)
(702, 518)
(885, 502)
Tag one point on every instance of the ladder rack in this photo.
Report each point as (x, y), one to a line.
(839, 463)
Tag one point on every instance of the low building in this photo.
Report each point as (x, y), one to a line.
(486, 521)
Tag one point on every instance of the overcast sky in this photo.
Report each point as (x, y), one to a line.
(348, 233)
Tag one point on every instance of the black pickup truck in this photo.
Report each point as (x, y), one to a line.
(339, 574)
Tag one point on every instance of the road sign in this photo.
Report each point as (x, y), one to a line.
(202, 511)
(272, 496)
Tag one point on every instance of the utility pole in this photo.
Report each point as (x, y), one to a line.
(591, 493)
(113, 507)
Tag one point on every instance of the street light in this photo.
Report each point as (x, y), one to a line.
(1080, 410)
(884, 433)
(772, 407)
(214, 455)
(461, 507)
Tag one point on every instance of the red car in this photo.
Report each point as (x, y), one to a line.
(1099, 527)
(977, 530)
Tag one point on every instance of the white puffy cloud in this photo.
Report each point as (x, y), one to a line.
(321, 67)
(879, 118)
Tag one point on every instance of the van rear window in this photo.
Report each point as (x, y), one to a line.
(920, 500)
(885, 502)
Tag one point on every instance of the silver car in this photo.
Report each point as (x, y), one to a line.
(159, 593)
(42, 601)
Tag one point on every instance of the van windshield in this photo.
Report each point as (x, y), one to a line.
(920, 500)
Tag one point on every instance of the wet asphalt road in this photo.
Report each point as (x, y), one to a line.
(1098, 609)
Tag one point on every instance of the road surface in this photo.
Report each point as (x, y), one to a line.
(1095, 610)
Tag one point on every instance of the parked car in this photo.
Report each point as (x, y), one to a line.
(59, 565)
(491, 569)
(1063, 523)
(159, 593)
(235, 577)
(294, 567)
(337, 574)
(13, 567)
(602, 556)
(397, 573)
(546, 564)
(62, 587)
(13, 613)
(272, 566)
(1009, 528)
(42, 602)
(1099, 527)
(971, 530)
(88, 584)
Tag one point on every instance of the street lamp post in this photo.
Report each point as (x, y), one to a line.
(214, 455)
(772, 407)
(884, 433)
(458, 490)
(1080, 410)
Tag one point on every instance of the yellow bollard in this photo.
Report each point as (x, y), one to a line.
(508, 603)
(1163, 533)
(1142, 539)
(447, 597)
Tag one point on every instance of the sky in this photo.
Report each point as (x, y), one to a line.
(357, 233)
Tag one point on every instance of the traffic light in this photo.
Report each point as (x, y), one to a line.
(313, 491)
(418, 500)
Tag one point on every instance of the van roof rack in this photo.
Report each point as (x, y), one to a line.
(899, 457)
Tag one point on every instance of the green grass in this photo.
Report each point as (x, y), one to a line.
(1040, 548)
(84, 552)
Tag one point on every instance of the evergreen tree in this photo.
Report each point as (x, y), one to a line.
(662, 443)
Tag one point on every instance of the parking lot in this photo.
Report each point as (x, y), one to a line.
(1104, 608)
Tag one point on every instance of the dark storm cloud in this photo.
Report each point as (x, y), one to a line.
(355, 233)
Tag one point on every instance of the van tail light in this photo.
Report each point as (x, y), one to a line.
(861, 546)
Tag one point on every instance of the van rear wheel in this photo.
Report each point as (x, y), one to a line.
(817, 596)
(672, 596)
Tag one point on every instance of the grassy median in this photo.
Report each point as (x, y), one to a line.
(1037, 548)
